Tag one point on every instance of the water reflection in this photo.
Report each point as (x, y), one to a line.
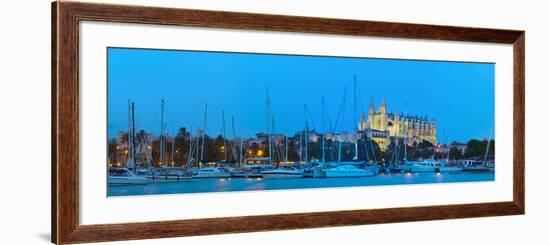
(253, 184)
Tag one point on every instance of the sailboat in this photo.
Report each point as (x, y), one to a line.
(206, 172)
(166, 172)
(427, 165)
(486, 165)
(126, 176)
(319, 170)
(349, 170)
(354, 168)
(282, 172)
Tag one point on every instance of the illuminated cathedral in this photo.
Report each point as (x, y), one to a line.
(381, 126)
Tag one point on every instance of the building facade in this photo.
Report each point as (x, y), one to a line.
(384, 125)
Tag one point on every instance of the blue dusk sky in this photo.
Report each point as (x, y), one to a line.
(458, 95)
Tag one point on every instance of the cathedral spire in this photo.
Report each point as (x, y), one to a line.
(382, 108)
(371, 107)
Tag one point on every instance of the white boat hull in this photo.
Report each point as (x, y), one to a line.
(127, 180)
(429, 166)
(246, 175)
(319, 173)
(431, 169)
(344, 171)
(210, 172)
(451, 169)
(344, 174)
(284, 172)
(418, 170)
(281, 176)
(168, 179)
(216, 175)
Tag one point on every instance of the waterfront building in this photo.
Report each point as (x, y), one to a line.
(257, 160)
(460, 146)
(382, 138)
(441, 149)
(345, 137)
(381, 126)
(263, 137)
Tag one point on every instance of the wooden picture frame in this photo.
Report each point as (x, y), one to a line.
(65, 121)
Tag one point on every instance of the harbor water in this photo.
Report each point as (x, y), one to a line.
(257, 184)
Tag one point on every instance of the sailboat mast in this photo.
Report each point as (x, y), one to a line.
(286, 141)
(273, 133)
(233, 148)
(323, 129)
(448, 145)
(150, 151)
(161, 138)
(372, 148)
(268, 122)
(301, 151)
(172, 153)
(488, 147)
(190, 153)
(306, 134)
(342, 125)
(286, 148)
(203, 132)
(270, 148)
(355, 136)
(405, 142)
(197, 142)
(129, 133)
(396, 151)
(133, 142)
(223, 135)
(241, 153)
(130, 160)
(340, 147)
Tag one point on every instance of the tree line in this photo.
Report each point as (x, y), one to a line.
(213, 149)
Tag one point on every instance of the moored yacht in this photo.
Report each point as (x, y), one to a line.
(283, 172)
(319, 171)
(250, 171)
(349, 170)
(428, 165)
(169, 175)
(211, 172)
(123, 176)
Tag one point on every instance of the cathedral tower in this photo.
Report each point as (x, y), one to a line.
(415, 128)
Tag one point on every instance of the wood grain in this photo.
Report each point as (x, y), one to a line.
(65, 121)
(54, 123)
(197, 227)
(519, 123)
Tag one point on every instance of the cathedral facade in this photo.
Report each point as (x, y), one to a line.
(381, 126)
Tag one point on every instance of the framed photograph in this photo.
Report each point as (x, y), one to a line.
(176, 122)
